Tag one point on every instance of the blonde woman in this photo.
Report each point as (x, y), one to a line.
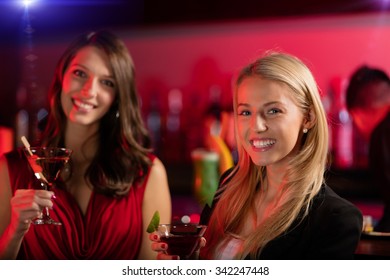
(274, 204)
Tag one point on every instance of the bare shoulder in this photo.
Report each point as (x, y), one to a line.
(157, 180)
(158, 169)
(156, 198)
(157, 193)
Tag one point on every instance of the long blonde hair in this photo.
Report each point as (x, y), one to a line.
(304, 176)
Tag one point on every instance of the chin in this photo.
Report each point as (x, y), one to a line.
(81, 121)
(259, 162)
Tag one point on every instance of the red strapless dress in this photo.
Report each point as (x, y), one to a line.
(110, 229)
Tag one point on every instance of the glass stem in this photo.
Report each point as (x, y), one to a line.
(46, 210)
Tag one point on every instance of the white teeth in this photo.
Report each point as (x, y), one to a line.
(82, 105)
(263, 143)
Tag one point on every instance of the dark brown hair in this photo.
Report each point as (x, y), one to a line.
(122, 156)
(362, 77)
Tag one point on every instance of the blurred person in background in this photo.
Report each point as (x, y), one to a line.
(368, 101)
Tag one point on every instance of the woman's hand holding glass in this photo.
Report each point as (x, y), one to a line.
(27, 205)
(162, 247)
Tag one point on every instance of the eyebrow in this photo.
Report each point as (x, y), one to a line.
(78, 64)
(265, 105)
(83, 66)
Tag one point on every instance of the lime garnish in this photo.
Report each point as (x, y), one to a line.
(154, 222)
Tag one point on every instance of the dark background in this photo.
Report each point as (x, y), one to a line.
(54, 16)
(57, 18)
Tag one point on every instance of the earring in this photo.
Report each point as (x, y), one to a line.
(117, 114)
(305, 130)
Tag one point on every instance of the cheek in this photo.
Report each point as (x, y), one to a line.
(106, 99)
(291, 136)
(66, 84)
(66, 103)
(241, 130)
(64, 99)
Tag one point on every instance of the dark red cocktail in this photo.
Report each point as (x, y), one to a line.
(182, 239)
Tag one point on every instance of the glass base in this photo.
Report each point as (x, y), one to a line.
(46, 221)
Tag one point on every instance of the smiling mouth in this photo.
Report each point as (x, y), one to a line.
(261, 144)
(82, 105)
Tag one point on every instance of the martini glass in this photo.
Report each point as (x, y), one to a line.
(182, 239)
(47, 163)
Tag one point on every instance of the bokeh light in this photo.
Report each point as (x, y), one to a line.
(27, 3)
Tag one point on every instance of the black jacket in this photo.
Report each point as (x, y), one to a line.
(330, 231)
(379, 159)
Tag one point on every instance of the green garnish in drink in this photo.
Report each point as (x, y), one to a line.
(154, 222)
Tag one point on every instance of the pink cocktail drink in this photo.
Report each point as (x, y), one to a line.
(47, 163)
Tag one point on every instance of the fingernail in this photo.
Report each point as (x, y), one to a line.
(155, 237)
(163, 246)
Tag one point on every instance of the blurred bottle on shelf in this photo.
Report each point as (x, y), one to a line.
(153, 122)
(213, 111)
(193, 124)
(215, 127)
(22, 126)
(206, 175)
(342, 127)
(173, 138)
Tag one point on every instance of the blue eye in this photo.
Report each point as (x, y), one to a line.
(273, 111)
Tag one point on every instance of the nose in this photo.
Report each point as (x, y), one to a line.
(258, 123)
(90, 88)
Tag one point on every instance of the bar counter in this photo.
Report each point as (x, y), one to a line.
(373, 247)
